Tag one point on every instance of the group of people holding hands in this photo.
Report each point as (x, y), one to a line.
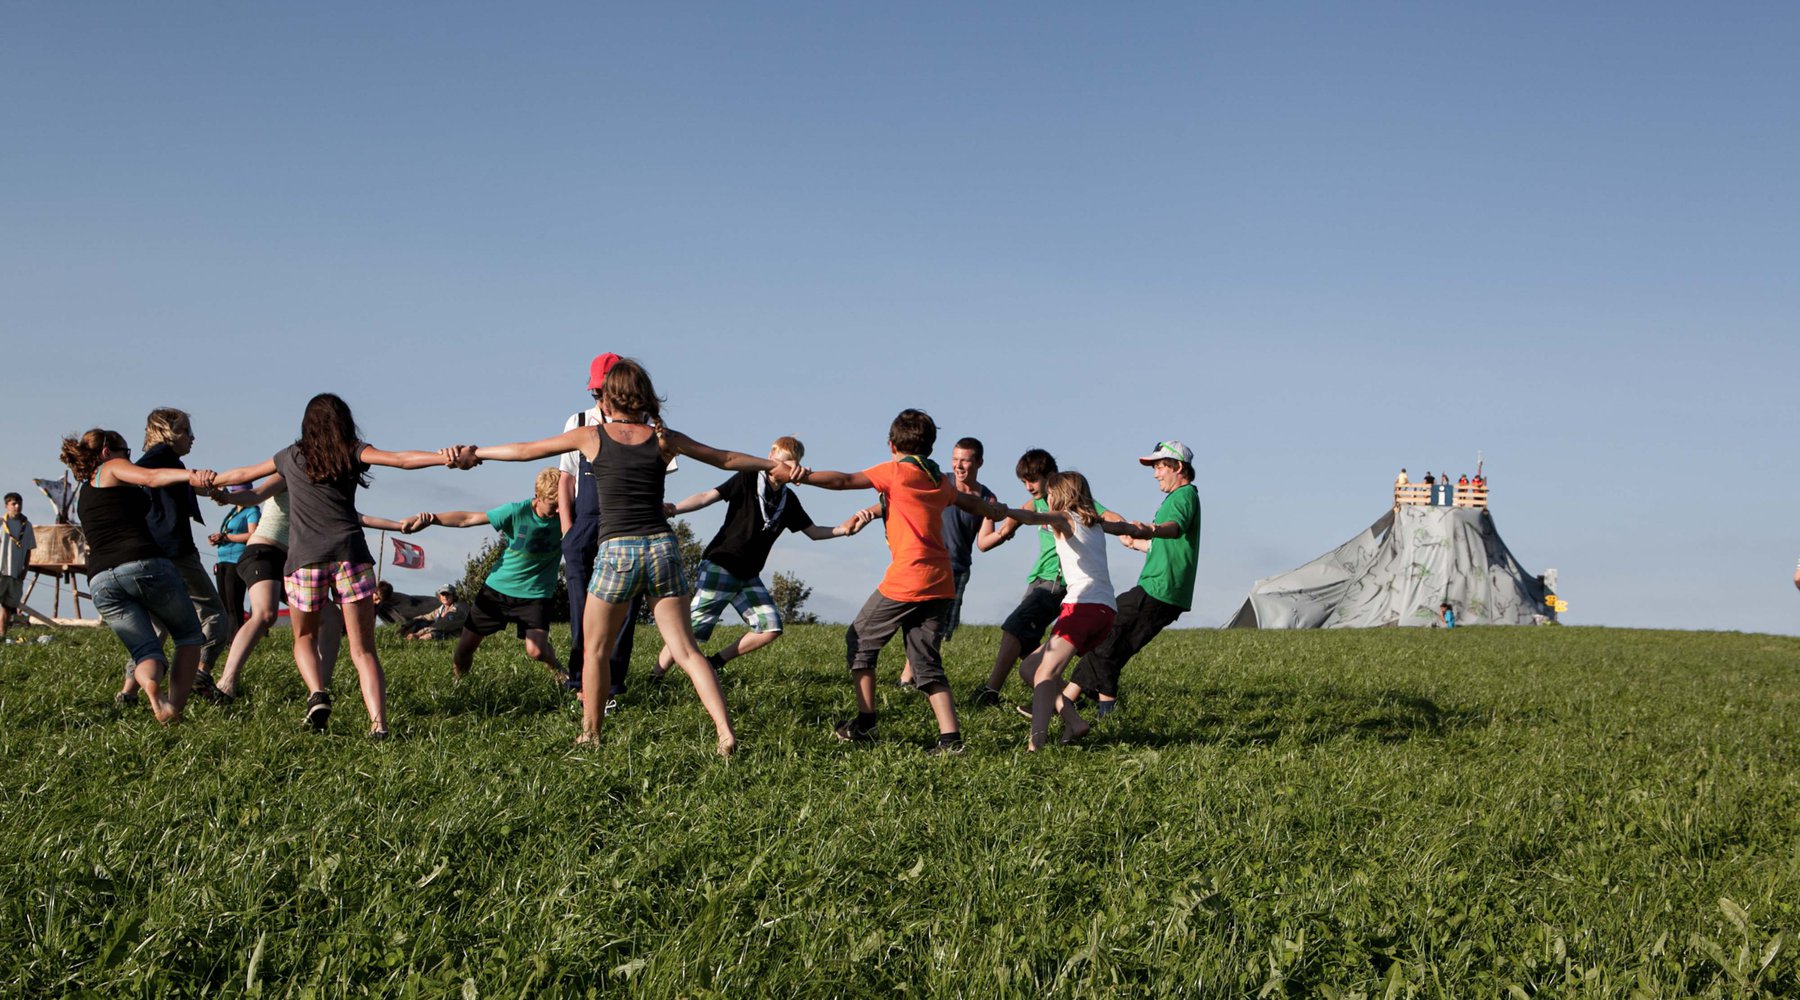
(601, 517)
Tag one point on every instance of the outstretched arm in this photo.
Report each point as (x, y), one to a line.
(121, 470)
(243, 473)
(733, 461)
(451, 519)
(852, 524)
(251, 497)
(580, 439)
(383, 524)
(826, 479)
(704, 498)
(1129, 529)
(372, 455)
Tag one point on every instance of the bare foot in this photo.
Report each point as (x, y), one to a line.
(727, 747)
(587, 739)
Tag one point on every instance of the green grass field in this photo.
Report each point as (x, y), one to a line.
(1483, 813)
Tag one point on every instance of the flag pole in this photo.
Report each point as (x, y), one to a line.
(381, 559)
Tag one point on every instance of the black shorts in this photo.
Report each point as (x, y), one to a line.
(493, 611)
(260, 563)
(1037, 609)
(1140, 619)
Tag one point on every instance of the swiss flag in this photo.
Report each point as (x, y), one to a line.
(408, 555)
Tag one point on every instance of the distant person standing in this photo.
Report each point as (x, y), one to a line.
(15, 556)
(1401, 479)
(578, 508)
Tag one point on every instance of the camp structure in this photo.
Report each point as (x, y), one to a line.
(1398, 571)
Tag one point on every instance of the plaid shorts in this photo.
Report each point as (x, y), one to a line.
(342, 582)
(718, 588)
(632, 564)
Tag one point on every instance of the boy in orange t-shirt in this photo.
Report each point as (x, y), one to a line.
(916, 591)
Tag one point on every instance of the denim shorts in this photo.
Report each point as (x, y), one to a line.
(133, 597)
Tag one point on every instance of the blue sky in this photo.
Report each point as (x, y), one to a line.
(1315, 242)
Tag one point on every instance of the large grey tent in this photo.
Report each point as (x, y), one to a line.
(1397, 572)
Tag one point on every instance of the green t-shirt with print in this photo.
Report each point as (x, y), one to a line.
(528, 568)
(1049, 564)
(1169, 569)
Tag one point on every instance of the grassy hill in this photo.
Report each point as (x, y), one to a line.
(1480, 813)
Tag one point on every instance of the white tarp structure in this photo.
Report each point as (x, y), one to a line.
(1397, 572)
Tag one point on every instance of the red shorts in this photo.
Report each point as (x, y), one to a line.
(1083, 625)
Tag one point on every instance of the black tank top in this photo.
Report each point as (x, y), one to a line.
(628, 479)
(112, 520)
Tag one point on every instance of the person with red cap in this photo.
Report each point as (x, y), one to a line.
(579, 509)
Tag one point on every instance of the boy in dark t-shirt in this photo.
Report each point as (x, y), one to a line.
(756, 513)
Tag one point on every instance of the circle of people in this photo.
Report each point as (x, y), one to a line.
(298, 537)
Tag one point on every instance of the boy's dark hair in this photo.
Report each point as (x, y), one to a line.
(1035, 464)
(913, 432)
(13, 498)
(974, 445)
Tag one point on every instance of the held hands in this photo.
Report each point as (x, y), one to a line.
(460, 456)
(202, 479)
(418, 522)
(787, 472)
(855, 522)
(669, 509)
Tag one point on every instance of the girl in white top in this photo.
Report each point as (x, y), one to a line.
(260, 568)
(1088, 607)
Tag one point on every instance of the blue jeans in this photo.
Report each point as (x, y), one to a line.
(134, 596)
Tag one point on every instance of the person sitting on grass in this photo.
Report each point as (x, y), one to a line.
(1088, 608)
(757, 511)
(1165, 588)
(441, 622)
(638, 551)
(915, 593)
(519, 588)
(1024, 629)
(1448, 614)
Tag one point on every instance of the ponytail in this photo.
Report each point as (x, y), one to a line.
(82, 455)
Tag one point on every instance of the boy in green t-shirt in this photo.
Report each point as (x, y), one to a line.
(1165, 587)
(518, 590)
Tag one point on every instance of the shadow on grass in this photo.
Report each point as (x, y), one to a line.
(1267, 716)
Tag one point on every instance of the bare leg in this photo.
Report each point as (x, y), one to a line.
(864, 682)
(265, 607)
(329, 638)
(464, 656)
(1008, 654)
(747, 643)
(145, 675)
(181, 677)
(600, 622)
(538, 647)
(306, 650)
(359, 628)
(1050, 659)
(944, 707)
(671, 614)
(906, 673)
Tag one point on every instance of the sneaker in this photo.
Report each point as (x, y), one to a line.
(378, 735)
(906, 685)
(848, 732)
(318, 711)
(123, 700)
(985, 697)
(204, 686)
(1024, 710)
(717, 662)
(954, 748)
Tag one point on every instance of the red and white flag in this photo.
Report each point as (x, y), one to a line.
(408, 555)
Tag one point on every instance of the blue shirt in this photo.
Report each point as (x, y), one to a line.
(242, 522)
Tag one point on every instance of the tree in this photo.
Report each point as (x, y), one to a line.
(790, 592)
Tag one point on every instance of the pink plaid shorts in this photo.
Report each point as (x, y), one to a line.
(342, 582)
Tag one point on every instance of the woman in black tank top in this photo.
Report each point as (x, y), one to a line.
(134, 584)
(637, 549)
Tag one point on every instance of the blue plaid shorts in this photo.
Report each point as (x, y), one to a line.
(717, 589)
(637, 564)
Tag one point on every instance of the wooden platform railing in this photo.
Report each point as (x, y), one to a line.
(1420, 495)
